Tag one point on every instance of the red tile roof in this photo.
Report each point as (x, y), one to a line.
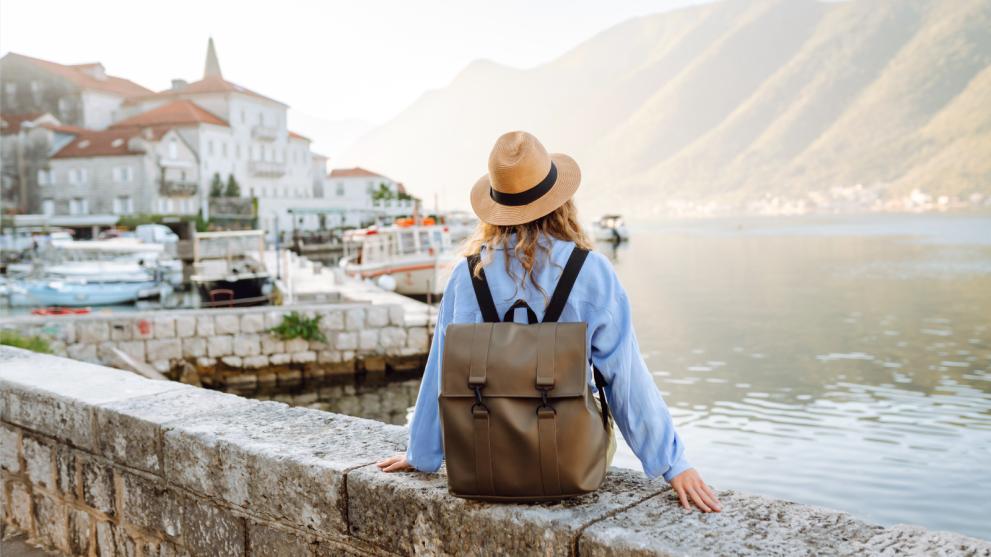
(294, 135)
(11, 123)
(78, 75)
(176, 113)
(101, 143)
(356, 172)
(209, 84)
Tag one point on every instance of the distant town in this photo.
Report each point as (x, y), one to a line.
(82, 147)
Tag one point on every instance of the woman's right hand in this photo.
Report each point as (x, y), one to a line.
(690, 487)
(395, 463)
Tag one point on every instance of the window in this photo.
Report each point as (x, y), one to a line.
(123, 205)
(43, 177)
(128, 174)
(64, 107)
(11, 89)
(115, 173)
(407, 242)
(261, 118)
(73, 176)
(243, 119)
(48, 207)
(237, 151)
(209, 147)
(173, 149)
(340, 189)
(78, 206)
(182, 176)
(223, 149)
(83, 176)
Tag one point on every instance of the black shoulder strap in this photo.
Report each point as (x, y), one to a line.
(564, 284)
(482, 293)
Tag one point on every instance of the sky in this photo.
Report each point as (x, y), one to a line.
(361, 62)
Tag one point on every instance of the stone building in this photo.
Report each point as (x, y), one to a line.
(26, 143)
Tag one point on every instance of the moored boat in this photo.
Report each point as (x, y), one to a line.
(416, 258)
(610, 228)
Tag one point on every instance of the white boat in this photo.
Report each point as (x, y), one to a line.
(78, 292)
(418, 259)
(610, 228)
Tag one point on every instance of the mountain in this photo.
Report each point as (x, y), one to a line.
(729, 103)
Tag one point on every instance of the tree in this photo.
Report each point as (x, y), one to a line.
(233, 189)
(216, 186)
(382, 193)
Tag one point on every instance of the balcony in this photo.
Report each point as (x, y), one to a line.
(265, 133)
(171, 188)
(267, 168)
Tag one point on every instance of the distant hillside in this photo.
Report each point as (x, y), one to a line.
(729, 102)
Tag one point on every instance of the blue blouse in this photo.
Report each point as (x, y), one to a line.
(597, 299)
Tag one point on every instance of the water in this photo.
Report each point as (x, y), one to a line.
(842, 362)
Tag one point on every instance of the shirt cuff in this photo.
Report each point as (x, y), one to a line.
(429, 467)
(677, 469)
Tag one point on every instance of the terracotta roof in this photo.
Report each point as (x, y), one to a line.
(175, 113)
(209, 84)
(78, 75)
(63, 128)
(294, 135)
(11, 123)
(101, 143)
(356, 172)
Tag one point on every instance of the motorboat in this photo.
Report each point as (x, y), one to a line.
(417, 259)
(229, 269)
(78, 292)
(610, 228)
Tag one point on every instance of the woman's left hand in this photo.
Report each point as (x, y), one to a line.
(395, 463)
(690, 487)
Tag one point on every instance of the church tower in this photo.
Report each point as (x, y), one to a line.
(212, 67)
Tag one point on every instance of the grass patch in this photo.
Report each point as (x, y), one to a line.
(17, 340)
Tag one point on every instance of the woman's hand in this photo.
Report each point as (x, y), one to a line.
(689, 486)
(395, 463)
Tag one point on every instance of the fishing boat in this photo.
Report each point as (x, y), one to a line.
(229, 269)
(416, 258)
(610, 228)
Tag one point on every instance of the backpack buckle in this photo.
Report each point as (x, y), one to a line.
(478, 400)
(544, 403)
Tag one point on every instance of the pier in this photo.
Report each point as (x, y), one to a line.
(101, 461)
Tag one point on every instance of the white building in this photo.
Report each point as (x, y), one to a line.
(364, 192)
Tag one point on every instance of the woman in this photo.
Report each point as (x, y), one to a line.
(527, 231)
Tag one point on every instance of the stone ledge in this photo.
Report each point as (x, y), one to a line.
(172, 469)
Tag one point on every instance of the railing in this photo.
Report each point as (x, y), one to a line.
(177, 187)
(267, 168)
(265, 133)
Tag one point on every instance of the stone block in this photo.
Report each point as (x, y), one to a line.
(110, 543)
(255, 362)
(247, 345)
(185, 326)
(252, 323)
(146, 418)
(377, 316)
(417, 338)
(98, 486)
(297, 345)
(65, 470)
(205, 363)
(267, 541)
(328, 357)
(204, 326)
(392, 337)
(20, 506)
(332, 320)
(193, 347)
(38, 461)
(227, 324)
(272, 319)
(289, 378)
(210, 530)
(164, 327)
(232, 361)
(80, 524)
(52, 523)
(346, 341)
(92, 332)
(150, 505)
(354, 319)
(271, 344)
(423, 518)
(142, 329)
(368, 339)
(304, 357)
(219, 346)
(397, 315)
(317, 346)
(166, 349)
(9, 446)
(84, 352)
(133, 348)
(121, 329)
(280, 359)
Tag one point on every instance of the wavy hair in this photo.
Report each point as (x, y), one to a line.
(527, 242)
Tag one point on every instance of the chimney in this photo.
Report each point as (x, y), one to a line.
(212, 67)
(179, 84)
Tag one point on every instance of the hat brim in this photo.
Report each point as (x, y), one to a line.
(569, 176)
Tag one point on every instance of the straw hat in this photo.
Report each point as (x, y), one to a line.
(524, 182)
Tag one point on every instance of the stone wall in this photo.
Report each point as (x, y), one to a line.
(232, 350)
(103, 462)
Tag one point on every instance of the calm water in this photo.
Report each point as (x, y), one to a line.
(843, 362)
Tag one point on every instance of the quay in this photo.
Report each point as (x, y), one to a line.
(100, 461)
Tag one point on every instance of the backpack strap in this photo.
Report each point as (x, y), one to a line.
(482, 293)
(565, 284)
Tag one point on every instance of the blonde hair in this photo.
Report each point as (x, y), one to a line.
(527, 242)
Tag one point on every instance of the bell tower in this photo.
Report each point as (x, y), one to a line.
(212, 67)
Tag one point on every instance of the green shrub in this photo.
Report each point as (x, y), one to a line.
(17, 340)
(295, 325)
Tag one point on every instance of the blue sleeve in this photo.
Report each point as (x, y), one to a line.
(425, 450)
(636, 404)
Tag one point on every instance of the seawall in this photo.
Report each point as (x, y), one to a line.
(97, 461)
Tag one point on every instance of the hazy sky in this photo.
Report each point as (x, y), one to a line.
(341, 60)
